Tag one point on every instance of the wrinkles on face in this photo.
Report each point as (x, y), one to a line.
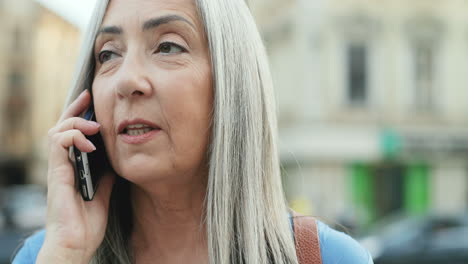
(161, 74)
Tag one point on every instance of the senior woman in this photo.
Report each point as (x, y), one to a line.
(184, 103)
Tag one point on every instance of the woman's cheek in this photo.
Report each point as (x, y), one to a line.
(104, 116)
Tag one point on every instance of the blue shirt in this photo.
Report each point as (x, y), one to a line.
(335, 247)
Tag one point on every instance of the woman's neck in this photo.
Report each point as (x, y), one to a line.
(167, 224)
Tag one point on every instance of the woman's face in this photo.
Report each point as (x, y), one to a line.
(152, 89)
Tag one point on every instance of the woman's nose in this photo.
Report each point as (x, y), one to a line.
(133, 80)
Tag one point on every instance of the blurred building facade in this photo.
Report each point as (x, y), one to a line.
(371, 104)
(15, 82)
(56, 50)
(36, 65)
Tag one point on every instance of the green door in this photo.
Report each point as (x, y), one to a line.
(363, 192)
(416, 198)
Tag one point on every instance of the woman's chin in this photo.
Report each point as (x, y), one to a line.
(140, 171)
(141, 176)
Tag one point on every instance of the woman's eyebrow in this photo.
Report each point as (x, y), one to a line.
(110, 30)
(157, 21)
(149, 24)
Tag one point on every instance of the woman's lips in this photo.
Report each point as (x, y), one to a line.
(137, 121)
(139, 139)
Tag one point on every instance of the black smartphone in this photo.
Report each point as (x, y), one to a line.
(89, 167)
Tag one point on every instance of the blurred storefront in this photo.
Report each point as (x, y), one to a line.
(371, 104)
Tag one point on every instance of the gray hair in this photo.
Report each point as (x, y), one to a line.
(245, 208)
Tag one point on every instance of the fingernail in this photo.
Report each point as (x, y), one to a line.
(92, 145)
(82, 93)
(95, 124)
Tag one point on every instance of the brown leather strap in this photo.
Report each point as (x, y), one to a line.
(307, 239)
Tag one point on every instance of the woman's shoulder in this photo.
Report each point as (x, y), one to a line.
(339, 248)
(335, 247)
(28, 251)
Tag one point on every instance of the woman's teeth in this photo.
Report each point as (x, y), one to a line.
(137, 132)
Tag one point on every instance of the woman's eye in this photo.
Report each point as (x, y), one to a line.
(170, 48)
(106, 55)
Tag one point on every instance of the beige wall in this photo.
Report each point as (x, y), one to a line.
(56, 48)
(391, 84)
(306, 42)
(319, 188)
(41, 48)
(15, 78)
(449, 187)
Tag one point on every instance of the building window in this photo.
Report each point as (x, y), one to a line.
(15, 81)
(357, 74)
(17, 39)
(425, 34)
(424, 77)
(15, 104)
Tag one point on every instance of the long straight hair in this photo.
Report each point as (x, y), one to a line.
(246, 214)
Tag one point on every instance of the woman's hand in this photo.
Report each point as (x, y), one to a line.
(75, 228)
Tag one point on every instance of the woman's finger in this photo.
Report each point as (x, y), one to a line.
(78, 106)
(73, 137)
(61, 171)
(60, 143)
(85, 126)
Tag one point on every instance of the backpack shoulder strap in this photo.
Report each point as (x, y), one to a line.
(306, 239)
